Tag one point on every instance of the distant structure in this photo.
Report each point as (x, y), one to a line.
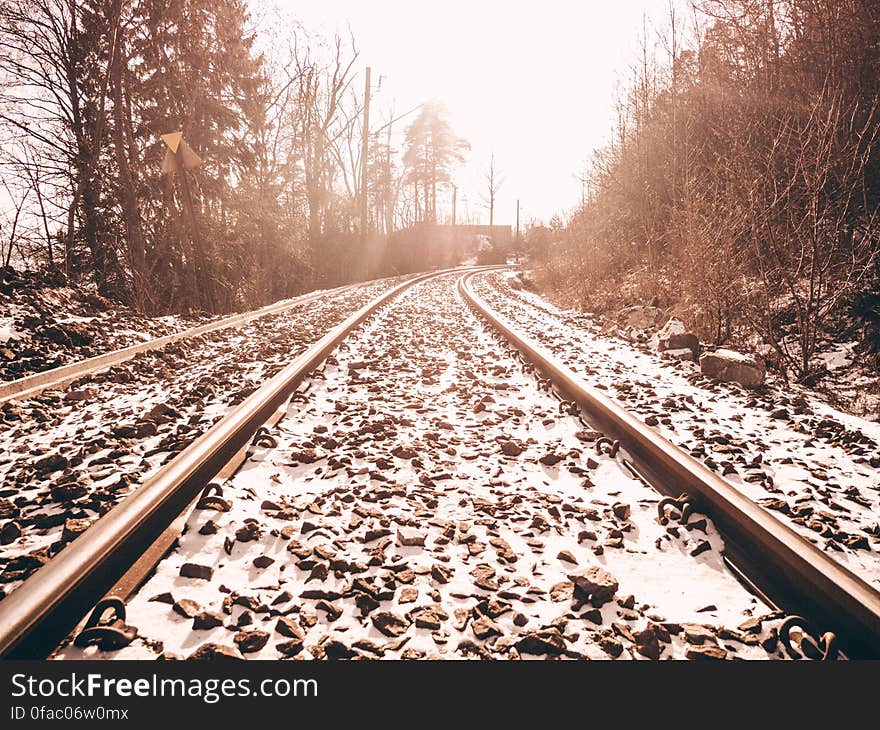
(431, 245)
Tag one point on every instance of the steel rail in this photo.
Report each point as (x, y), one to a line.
(31, 385)
(799, 576)
(39, 614)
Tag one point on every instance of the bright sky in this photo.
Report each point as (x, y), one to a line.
(533, 81)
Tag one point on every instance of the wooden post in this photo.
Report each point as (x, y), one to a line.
(365, 153)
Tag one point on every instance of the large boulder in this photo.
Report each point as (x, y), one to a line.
(640, 317)
(733, 367)
(674, 337)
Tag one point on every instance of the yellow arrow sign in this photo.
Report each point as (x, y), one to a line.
(187, 156)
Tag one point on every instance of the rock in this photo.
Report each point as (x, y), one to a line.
(561, 591)
(51, 463)
(287, 626)
(429, 617)
(214, 651)
(441, 573)
(75, 396)
(187, 608)
(712, 651)
(732, 366)
(390, 624)
(263, 561)
(639, 317)
(648, 643)
(205, 620)
(409, 537)
(505, 552)
(567, 557)
(484, 627)
(334, 649)
(9, 532)
(510, 448)
(597, 584)
(696, 634)
(484, 577)
(290, 648)
(194, 570)
(547, 641)
(407, 595)
(67, 492)
(551, 459)
(251, 641)
(673, 336)
(73, 528)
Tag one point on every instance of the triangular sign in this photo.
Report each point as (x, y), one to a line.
(172, 140)
(190, 158)
(169, 163)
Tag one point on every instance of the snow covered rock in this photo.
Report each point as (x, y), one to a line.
(639, 317)
(731, 366)
(673, 337)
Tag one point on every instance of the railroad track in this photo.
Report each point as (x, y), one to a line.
(412, 384)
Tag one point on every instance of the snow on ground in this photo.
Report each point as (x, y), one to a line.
(816, 468)
(43, 327)
(67, 457)
(427, 500)
(8, 331)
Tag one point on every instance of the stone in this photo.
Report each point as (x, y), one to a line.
(429, 617)
(441, 573)
(484, 577)
(252, 641)
(206, 620)
(639, 317)
(696, 634)
(335, 649)
(561, 591)
(408, 595)
(510, 448)
(186, 608)
(196, 571)
(732, 366)
(51, 463)
(287, 626)
(710, 651)
(9, 532)
(211, 651)
(409, 537)
(290, 648)
(567, 557)
(505, 552)
(390, 624)
(484, 627)
(673, 336)
(546, 641)
(648, 643)
(595, 583)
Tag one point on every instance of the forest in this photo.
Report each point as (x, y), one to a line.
(740, 186)
(270, 193)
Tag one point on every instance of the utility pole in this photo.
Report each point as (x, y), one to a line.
(517, 220)
(454, 201)
(365, 152)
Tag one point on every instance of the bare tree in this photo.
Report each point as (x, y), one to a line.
(493, 184)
